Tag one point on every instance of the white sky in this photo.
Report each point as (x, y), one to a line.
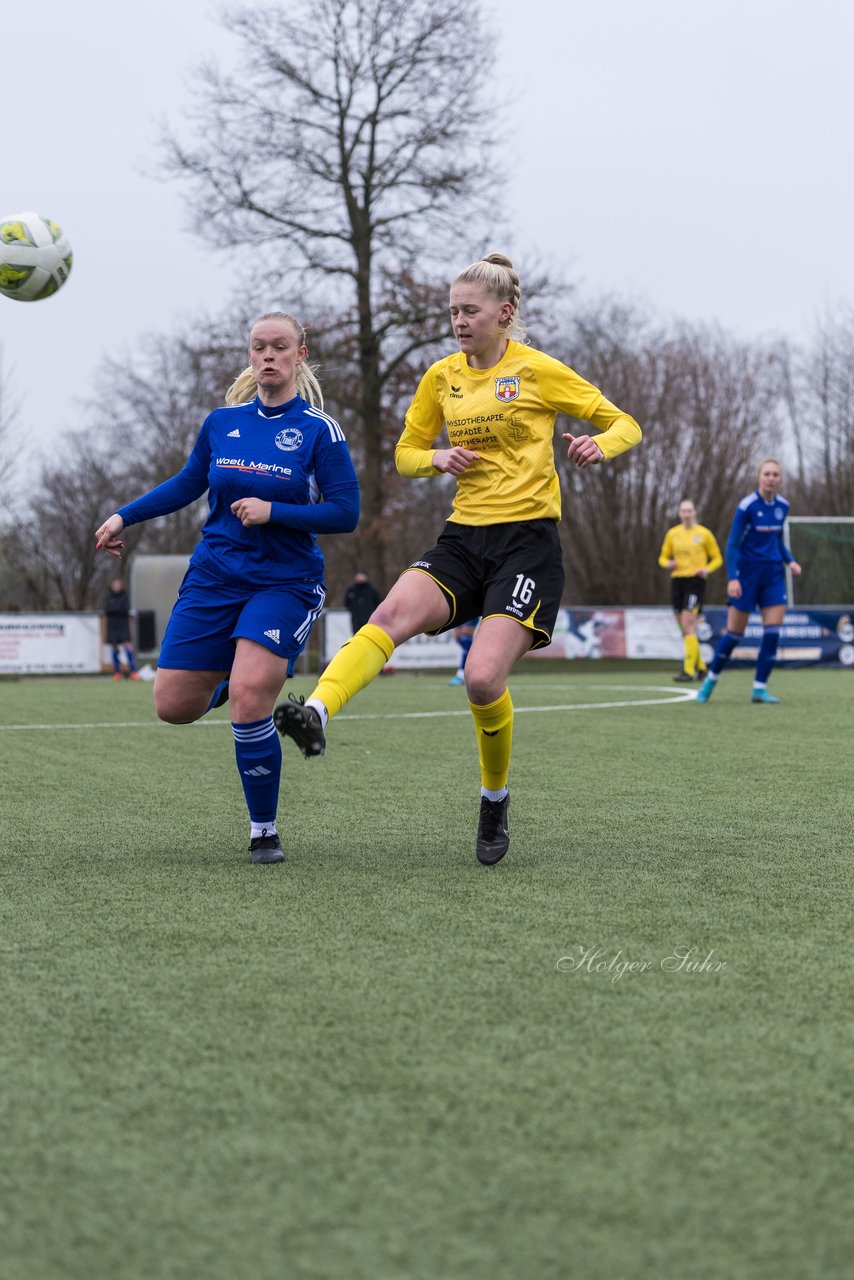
(697, 156)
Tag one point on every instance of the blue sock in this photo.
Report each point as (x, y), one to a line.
(767, 654)
(726, 644)
(465, 644)
(131, 663)
(117, 661)
(258, 749)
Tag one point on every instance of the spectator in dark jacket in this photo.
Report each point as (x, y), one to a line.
(360, 600)
(117, 609)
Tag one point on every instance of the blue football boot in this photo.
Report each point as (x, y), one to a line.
(706, 689)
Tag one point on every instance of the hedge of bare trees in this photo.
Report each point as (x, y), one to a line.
(711, 407)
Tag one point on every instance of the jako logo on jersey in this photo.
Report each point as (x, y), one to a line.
(235, 433)
(507, 388)
(289, 439)
(273, 635)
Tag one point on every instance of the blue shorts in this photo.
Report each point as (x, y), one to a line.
(209, 616)
(762, 585)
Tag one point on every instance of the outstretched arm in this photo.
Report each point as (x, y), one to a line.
(176, 492)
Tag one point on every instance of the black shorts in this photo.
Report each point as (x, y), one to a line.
(510, 570)
(687, 594)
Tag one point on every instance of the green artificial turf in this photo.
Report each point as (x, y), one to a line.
(382, 1061)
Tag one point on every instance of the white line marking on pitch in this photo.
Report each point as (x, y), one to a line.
(673, 696)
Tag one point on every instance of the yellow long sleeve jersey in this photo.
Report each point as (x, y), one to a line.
(692, 549)
(505, 414)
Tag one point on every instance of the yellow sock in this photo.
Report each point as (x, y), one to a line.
(698, 657)
(494, 728)
(689, 661)
(354, 666)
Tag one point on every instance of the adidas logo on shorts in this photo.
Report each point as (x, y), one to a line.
(274, 635)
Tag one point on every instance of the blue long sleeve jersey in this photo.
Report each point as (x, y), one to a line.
(293, 456)
(757, 533)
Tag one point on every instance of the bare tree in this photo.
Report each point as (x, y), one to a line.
(352, 151)
(709, 407)
(147, 412)
(9, 409)
(820, 382)
(52, 552)
(9, 406)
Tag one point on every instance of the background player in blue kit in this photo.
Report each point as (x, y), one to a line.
(278, 471)
(463, 636)
(756, 558)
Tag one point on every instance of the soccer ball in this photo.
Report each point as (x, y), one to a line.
(35, 257)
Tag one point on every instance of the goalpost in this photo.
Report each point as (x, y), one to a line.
(824, 548)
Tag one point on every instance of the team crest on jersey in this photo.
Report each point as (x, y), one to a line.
(507, 389)
(289, 439)
(778, 515)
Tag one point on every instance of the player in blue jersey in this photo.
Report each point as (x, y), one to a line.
(463, 636)
(277, 471)
(756, 558)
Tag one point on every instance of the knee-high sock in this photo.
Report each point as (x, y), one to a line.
(693, 651)
(726, 644)
(698, 657)
(689, 661)
(767, 654)
(117, 660)
(130, 658)
(465, 644)
(354, 666)
(494, 727)
(258, 749)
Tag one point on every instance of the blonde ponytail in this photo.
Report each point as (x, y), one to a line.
(245, 388)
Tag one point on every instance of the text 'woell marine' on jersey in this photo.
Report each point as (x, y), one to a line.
(294, 457)
(507, 415)
(757, 533)
(692, 549)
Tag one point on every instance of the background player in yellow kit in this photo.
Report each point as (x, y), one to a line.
(499, 555)
(691, 553)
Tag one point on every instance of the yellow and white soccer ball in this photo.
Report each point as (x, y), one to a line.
(35, 257)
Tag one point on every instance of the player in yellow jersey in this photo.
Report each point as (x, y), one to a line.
(499, 555)
(691, 553)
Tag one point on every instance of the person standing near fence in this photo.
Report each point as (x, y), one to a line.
(360, 600)
(499, 555)
(691, 553)
(117, 611)
(756, 558)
